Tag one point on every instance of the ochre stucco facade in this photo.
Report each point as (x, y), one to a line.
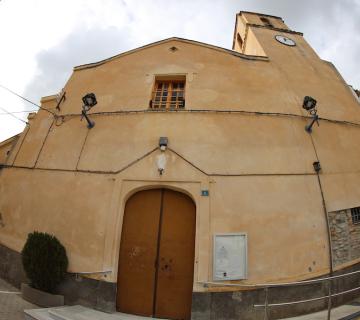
(241, 136)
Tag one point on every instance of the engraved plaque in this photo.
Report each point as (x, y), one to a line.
(230, 256)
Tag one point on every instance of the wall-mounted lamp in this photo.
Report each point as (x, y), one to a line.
(317, 166)
(163, 142)
(309, 105)
(89, 101)
(161, 158)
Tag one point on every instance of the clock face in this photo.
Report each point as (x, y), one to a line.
(285, 40)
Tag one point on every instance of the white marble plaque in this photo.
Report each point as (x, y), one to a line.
(230, 256)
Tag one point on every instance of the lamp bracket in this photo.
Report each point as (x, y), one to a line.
(91, 124)
(315, 118)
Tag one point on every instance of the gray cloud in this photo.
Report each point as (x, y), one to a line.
(54, 66)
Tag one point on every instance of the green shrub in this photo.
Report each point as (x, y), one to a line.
(44, 260)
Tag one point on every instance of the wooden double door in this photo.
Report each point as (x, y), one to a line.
(156, 262)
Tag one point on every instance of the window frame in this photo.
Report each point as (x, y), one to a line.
(171, 81)
(355, 215)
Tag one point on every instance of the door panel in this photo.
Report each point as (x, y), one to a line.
(156, 260)
(176, 257)
(138, 251)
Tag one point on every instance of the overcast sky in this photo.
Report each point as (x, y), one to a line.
(41, 41)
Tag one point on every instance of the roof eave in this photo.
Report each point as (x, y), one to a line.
(193, 42)
(261, 14)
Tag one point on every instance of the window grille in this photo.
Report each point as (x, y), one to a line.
(168, 94)
(355, 215)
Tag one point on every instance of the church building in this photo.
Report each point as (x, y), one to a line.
(181, 177)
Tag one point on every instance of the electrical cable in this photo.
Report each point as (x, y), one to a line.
(27, 100)
(9, 113)
(14, 112)
(193, 110)
(219, 111)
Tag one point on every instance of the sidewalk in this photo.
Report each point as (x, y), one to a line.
(80, 312)
(11, 304)
(338, 313)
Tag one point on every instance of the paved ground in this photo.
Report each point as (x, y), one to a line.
(12, 305)
(337, 313)
(80, 313)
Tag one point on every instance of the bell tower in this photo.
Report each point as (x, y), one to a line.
(246, 26)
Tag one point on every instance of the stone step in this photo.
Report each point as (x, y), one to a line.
(77, 313)
(37, 314)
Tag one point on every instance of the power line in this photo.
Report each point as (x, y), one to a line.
(18, 95)
(13, 112)
(27, 100)
(14, 115)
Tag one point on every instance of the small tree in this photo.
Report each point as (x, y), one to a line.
(44, 260)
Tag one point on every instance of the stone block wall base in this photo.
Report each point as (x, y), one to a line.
(11, 268)
(41, 298)
(91, 293)
(101, 295)
(240, 304)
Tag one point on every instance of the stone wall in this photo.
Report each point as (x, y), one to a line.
(345, 237)
(11, 268)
